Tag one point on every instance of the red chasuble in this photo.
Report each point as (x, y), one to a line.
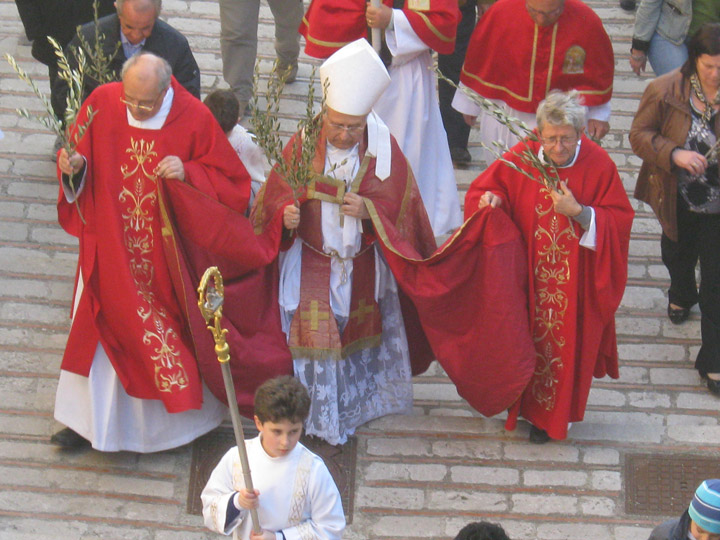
(330, 24)
(573, 291)
(128, 302)
(510, 58)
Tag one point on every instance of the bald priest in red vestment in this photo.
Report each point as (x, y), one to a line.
(129, 378)
(577, 252)
(522, 49)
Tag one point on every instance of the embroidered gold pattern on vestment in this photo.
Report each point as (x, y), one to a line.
(552, 275)
(139, 200)
(299, 496)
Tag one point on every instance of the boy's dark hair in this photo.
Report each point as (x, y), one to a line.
(225, 108)
(282, 398)
(482, 530)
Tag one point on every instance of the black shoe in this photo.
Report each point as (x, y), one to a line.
(628, 5)
(713, 386)
(678, 315)
(538, 436)
(67, 438)
(460, 156)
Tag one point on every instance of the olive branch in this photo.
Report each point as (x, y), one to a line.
(295, 166)
(98, 65)
(66, 129)
(549, 176)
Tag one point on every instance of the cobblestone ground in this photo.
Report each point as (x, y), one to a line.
(418, 476)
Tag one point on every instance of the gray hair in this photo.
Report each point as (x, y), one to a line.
(163, 70)
(157, 4)
(561, 109)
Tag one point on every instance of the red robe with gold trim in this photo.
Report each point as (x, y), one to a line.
(511, 59)
(128, 303)
(573, 291)
(328, 25)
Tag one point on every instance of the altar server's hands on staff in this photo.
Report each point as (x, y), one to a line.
(291, 217)
(70, 164)
(247, 499)
(264, 535)
(564, 201)
(378, 17)
(489, 199)
(171, 167)
(354, 206)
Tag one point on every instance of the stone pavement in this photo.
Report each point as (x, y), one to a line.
(418, 476)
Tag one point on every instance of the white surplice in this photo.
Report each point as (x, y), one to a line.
(98, 407)
(369, 383)
(297, 495)
(410, 108)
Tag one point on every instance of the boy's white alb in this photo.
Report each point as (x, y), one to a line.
(357, 78)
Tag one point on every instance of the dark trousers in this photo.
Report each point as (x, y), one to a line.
(698, 240)
(458, 132)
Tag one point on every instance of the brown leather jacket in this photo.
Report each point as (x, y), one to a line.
(661, 124)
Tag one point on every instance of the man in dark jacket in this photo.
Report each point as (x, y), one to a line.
(135, 27)
(57, 19)
(701, 519)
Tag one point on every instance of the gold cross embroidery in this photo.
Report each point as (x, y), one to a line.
(314, 315)
(362, 310)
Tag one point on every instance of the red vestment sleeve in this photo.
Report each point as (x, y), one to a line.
(328, 25)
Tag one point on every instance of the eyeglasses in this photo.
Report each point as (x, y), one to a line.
(564, 141)
(140, 106)
(352, 130)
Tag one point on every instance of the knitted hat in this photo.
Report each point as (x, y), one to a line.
(356, 78)
(705, 506)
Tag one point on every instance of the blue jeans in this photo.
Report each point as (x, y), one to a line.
(664, 56)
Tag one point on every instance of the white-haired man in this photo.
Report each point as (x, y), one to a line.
(339, 302)
(129, 377)
(577, 236)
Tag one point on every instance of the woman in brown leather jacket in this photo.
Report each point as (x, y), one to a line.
(675, 132)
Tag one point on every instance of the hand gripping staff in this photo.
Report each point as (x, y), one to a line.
(210, 301)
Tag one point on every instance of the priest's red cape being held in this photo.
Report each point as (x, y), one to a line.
(202, 232)
(573, 291)
(467, 299)
(328, 25)
(510, 58)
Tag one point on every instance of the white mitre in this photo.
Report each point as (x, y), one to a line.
(354, 78)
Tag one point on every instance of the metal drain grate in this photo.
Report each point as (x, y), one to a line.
(664, 485)
(208, 450)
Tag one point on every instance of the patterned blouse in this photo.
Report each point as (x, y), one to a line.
(701, 192)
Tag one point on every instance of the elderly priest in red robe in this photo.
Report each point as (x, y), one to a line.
(129, 378)
(577, 240)
(522, 49)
